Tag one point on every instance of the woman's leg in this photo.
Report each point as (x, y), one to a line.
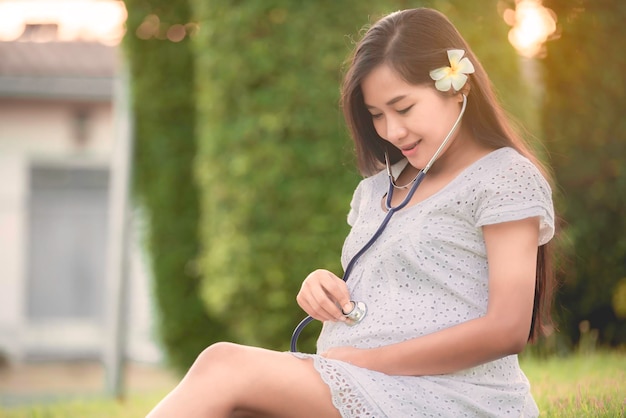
(229, 380)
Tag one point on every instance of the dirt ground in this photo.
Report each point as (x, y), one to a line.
(22, 382)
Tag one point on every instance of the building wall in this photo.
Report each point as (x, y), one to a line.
(53, 129)
(12, 233)
(65, 135)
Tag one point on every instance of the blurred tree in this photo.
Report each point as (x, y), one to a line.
(482, 25)
(163, 93)
(584, 126)
(275, 162)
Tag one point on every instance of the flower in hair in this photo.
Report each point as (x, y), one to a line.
(453, 76)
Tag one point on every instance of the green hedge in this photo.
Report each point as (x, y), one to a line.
(275, 164)
(165, 146)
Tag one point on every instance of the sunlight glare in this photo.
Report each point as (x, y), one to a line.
(86, 20)
(533, 24)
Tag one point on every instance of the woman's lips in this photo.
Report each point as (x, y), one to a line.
(410, 150)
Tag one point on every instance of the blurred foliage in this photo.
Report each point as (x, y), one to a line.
(275, 165)
(483, 27)
(165, 146)
(275, 162)
(584, 127)
(619, 299)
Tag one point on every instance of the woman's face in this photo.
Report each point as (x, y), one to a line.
(414, 119)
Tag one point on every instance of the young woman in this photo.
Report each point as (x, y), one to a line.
(454, 286)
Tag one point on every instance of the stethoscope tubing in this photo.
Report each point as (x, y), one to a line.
(390, 212)
(379, 231)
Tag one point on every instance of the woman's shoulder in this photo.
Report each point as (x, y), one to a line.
(507, 187)
(506, 164)
(503, 157)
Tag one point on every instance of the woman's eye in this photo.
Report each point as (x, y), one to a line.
(377, 115)
(405, 110)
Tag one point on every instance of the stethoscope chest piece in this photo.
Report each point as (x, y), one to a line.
(356, 314)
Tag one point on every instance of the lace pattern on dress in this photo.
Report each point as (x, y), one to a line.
(346, 396)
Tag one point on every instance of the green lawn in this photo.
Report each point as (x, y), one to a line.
(136, 406)
(592, 385)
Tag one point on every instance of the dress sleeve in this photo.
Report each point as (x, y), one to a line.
(517, 191)
(353, 214)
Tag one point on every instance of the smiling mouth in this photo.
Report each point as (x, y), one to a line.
(410, 147)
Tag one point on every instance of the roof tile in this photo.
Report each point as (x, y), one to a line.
(82, 59)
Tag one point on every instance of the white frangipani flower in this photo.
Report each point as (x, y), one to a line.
(453, 76)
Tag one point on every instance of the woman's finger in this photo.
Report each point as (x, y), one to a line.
(321, 295)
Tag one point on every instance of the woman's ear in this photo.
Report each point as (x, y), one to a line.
(464, 90)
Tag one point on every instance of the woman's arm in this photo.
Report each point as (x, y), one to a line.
(512, 257)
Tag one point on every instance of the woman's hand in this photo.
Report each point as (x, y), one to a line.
(321, 295)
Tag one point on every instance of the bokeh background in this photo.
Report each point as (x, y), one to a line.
(170, 172)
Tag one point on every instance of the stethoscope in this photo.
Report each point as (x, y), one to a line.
(359, 309)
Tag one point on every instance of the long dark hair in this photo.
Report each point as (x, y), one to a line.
(414, 42)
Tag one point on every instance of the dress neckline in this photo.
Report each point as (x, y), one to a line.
(397, 168)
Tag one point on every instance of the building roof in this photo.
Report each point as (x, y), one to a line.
(59, 70)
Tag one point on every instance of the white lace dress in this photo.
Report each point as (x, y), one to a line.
(427, 272)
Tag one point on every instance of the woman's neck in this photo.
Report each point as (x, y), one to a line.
(463, 152)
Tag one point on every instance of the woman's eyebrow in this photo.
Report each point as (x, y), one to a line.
(395, 100)
(389, 103)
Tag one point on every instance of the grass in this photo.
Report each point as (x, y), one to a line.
(135, 406)
(582, 385)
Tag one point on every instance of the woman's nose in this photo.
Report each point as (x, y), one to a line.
(395, 129)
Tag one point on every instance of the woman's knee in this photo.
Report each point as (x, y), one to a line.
(216, 355)
(227, 369)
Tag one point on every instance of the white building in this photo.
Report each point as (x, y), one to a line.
(56, 142)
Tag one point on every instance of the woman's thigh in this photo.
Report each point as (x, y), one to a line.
(277, 384)
(255, 382)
